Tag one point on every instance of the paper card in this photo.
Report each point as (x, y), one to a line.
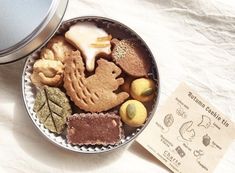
(188, 134)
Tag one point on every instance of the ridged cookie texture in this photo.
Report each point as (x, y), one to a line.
(96, 92)
(52, 108)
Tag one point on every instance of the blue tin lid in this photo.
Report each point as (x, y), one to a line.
(26, 25)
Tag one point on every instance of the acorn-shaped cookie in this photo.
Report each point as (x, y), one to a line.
(131, 57)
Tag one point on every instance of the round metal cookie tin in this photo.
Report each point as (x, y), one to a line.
(26, 25)
(117, 30)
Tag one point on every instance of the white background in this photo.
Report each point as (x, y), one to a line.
(193, 41)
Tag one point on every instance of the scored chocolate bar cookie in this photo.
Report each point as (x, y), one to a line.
(94, 129)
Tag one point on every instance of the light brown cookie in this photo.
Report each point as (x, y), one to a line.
(47, 72)
(93, 93)
(131, 57)
(57, 49)
(90, 40)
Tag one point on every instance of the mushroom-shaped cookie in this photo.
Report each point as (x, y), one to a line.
(90, 40)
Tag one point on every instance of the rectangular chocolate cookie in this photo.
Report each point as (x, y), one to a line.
(94, 129)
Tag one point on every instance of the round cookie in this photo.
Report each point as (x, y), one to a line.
(57, 49)
(133, 113)
(47, 72)
(131, 57)
(142, 89)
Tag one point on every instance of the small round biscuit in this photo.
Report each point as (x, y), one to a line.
(143, 89)
(133, 113)
(47, 72)
(57, 49)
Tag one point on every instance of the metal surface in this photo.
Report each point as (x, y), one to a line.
(26, 25)
(28, 89)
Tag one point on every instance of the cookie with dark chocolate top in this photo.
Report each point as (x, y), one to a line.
(94, 129)
(131, 57)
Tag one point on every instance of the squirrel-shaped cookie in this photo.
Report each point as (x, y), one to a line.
(94, 93)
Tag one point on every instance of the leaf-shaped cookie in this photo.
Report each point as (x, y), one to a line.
(52, 108)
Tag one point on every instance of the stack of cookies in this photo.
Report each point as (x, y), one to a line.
(92, 86)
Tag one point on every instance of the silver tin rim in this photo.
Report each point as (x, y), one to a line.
(39, 36)
(116, 146)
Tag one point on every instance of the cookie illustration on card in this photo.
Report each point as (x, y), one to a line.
(187, 132)
(168, 120)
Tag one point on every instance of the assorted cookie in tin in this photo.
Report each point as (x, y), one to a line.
(91, 87)
(94, 129)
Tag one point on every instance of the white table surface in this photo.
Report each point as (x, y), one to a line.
(193, 41)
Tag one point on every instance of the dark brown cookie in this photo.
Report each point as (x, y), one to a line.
(131, 57)
(94, 129)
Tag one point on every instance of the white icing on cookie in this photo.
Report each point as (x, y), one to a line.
(91, 40)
